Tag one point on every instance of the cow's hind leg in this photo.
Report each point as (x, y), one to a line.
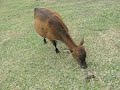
(55, 44)
(45, 42)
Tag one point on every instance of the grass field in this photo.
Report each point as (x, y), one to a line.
(27, 64)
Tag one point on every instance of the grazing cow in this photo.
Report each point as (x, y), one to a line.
(49, 24)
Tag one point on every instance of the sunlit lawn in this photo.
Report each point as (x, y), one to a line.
(27, 64)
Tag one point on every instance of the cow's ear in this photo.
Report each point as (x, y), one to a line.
(71, 51)
(82, 41)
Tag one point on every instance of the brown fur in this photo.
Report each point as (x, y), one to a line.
(49, 24)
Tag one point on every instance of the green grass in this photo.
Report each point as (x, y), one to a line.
(27, 64)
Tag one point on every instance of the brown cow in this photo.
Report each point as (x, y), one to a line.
(49, 24)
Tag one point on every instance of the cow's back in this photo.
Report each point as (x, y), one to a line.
(49, 24)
